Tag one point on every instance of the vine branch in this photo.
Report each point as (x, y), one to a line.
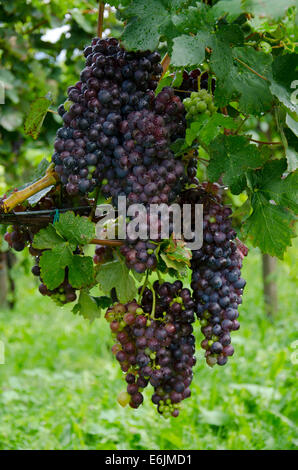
(101, 10)
(265, 143)
(16, 198)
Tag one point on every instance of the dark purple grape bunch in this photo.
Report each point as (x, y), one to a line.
(216, 275)
(144, 168)
(155, 345)
(170, 337)
(113, 84)
(128, 324)
(18, 238)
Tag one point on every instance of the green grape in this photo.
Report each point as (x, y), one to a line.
(201, 106)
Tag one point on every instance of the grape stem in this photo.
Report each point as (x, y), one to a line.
(101, 10)
(16, 198)
(153, 302)
(165, 64)
(97, 241)
(143, 287)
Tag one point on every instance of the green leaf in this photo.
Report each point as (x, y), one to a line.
(178, 251)
(75, 229)
(35, 117)
(284, 81)
(231, 9)
(41, 169)
(273, 198)
(237, 70)
(47, 238)
(80, 18)
(103, 301)
(189, 50)
(80, 271)
(87, 306)
(178, 267)
(269, 226)
(291, 135)
(166, 80)
(116, 275)
(270, 181)
(193, 132)
(232, 157)
(142, 31)
(272, 9)
(210, 127)
(53, 263)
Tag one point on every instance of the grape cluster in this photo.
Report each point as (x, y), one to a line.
(194, 81)
(139, 255)
(17, 238)
(21, 236)
(216, 275)
(152, 173)
(192, 169)
(114, 127)
(199, 102)
(155, 345)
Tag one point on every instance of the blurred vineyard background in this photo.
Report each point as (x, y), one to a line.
(59, 383)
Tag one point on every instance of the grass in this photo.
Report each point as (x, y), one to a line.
(59, 384)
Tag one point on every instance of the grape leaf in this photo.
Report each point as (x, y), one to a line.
(273, 9)
(291, 135)
(193, 131)
(284, 81)
(47, 238)
(236, 70)
(87, 306)
(81, 20)
(35, 117)
(178, 267)
(231, 9)
(178, 251)
(75, 229)
(80, 271)
(53, 263)
(273, 199)
(206, 128)
(142, 31)
(189, 50)
(115, 274)
(103, 301)
(232, 157)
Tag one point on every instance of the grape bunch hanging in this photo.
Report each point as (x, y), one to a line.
(117, 138)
